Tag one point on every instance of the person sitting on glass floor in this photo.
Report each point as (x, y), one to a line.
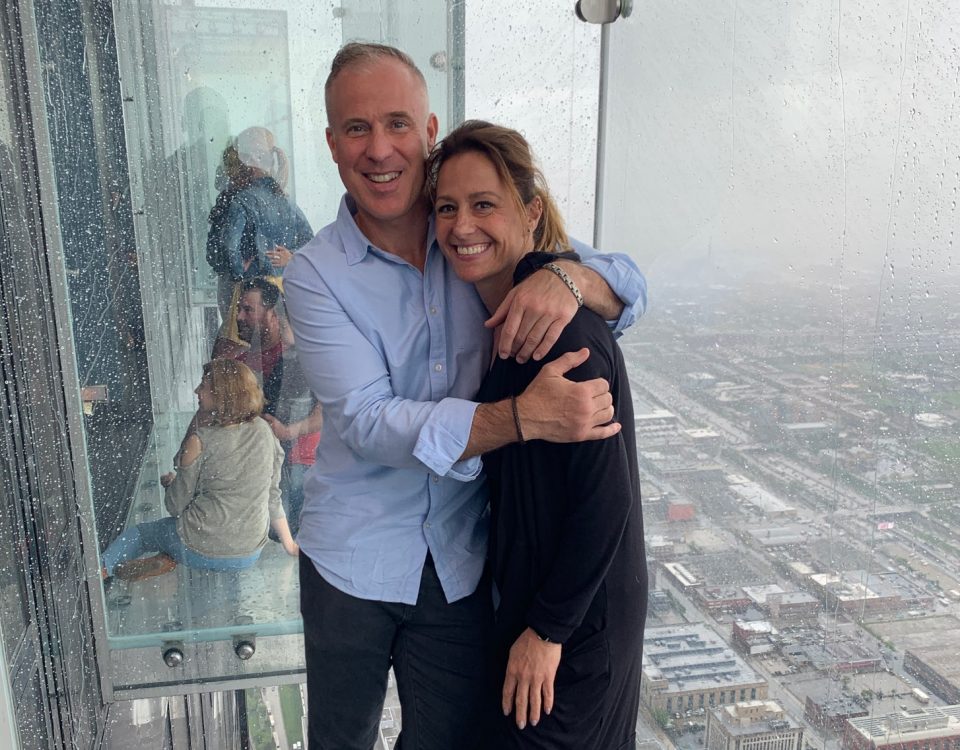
(225, 492)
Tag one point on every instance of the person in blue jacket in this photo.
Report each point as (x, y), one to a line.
(254, 226)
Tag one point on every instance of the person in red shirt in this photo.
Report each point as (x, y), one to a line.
(291, 410)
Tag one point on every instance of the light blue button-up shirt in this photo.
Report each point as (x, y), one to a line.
(395, 357)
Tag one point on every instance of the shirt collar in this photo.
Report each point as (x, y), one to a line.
(355, 243)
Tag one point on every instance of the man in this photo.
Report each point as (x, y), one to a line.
(394, 526)
(294, 414)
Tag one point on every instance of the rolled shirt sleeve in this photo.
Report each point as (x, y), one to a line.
(443, 438)
(623, 277)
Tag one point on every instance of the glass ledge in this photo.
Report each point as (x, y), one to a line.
(202, 605)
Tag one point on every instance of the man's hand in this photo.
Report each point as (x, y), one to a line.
(528, 685)
(533, 315)
(563, 411)
(552, 408)
(167, 479)
(283, 432)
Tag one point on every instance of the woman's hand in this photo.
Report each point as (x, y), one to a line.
(167, 479)
(282, 529)
(279, 256)
(282, 432)
(528, 685)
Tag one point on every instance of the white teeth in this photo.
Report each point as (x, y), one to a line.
(471, 249)
(389, 176)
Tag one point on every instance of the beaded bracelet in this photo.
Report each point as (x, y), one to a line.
(554, 268)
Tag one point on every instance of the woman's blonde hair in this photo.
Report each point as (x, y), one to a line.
(257, 151)
(511, 156)
(237, 396)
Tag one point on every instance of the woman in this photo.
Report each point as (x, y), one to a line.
(567, 533)
(254, 226)
(225, 492)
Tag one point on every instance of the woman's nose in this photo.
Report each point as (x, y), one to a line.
(463, 224)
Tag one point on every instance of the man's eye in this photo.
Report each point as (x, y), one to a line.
(353, 129)
(399, 124)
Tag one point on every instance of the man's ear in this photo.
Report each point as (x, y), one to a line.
(332, 144)
(433, 128)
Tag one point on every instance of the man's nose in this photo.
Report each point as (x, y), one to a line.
(378, 144)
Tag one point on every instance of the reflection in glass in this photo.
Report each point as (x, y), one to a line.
(224, 492)
(208, 96)
(222, 121)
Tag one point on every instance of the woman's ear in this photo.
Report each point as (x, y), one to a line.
(534, 212)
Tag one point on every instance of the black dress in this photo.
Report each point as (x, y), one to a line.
(567, 553)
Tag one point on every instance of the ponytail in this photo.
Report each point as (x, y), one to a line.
(281, 167)
(550, 235)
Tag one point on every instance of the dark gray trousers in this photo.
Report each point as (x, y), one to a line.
(440, 654)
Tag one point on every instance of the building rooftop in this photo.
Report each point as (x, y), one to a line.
(756, 626)
(682, 573)
(693, 657)
(797, 597)
(806, 426)
(910, 725)
(754, 717)
(764, 501)
(845, 586)
(758, 594)
(779, 536)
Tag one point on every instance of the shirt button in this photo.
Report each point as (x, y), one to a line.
(426, 525)
(438, 367)
(435, 479)
(433, 309)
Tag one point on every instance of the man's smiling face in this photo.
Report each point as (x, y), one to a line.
(379, 135)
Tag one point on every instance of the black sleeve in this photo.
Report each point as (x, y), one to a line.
(600, 495)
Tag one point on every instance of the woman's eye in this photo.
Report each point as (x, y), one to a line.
(484, 205)
(444, 208)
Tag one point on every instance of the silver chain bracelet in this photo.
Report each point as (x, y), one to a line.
(554, 268)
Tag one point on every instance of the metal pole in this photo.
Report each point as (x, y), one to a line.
(601, 135)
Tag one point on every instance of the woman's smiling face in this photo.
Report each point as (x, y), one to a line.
(481, 229)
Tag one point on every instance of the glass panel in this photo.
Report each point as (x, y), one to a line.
(787, 176)
(14, 615)
(173, 124)
(502, 48)
(32, 721)
(422, 30)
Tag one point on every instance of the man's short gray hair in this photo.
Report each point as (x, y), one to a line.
(357, 53)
